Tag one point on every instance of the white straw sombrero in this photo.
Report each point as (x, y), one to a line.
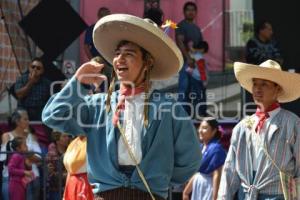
(112, 29)
(269, 70)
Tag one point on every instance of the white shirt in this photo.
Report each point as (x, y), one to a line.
(257, 139)
(133, 126)
(33, 145)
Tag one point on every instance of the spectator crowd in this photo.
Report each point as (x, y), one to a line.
(251, 168)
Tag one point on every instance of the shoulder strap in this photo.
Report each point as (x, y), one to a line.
(135, 161)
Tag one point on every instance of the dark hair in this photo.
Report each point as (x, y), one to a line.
(39, 59)
(260, 26)
(213, 123)
(145, 53)
(189, 3)
(55, 135)
(102, 9)
(15, 117)
(13, 145)
(155, 14)
(202, 45)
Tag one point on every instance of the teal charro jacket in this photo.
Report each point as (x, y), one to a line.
(170, 146)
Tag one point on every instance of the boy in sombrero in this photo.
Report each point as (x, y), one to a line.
(265, 145)
(139, 141)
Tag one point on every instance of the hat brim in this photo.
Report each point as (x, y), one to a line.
(289, 82)
(112, 29)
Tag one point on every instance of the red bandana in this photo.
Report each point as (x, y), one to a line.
(263, 116)
(125, 92)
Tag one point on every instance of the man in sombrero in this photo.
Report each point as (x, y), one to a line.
(265, 147)
(139, 141)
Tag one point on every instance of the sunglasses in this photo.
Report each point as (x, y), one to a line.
(38, 67)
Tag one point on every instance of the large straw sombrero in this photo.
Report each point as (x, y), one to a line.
(269, 70)
(112, 29)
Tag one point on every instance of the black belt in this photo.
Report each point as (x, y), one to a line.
(127, 169)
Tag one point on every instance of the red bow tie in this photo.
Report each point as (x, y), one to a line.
(125, 92)
(264, 115)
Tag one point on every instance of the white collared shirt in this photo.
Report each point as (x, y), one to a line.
(133, 126)
(257, 139)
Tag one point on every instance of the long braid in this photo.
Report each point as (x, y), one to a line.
(147, 96)
(110, 90)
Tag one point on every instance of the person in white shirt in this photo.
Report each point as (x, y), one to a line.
(20, 124)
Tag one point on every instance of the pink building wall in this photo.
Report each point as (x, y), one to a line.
(209, 18)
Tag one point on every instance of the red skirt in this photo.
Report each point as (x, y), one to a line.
(78, 188)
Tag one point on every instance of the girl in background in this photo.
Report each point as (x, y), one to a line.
(19, 121)
(204, 185)
(18, 175)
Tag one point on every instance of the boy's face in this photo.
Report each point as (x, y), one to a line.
(128, 62)
(265, 92)
(201, 50)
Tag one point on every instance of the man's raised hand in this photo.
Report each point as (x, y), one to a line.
(89, 73)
